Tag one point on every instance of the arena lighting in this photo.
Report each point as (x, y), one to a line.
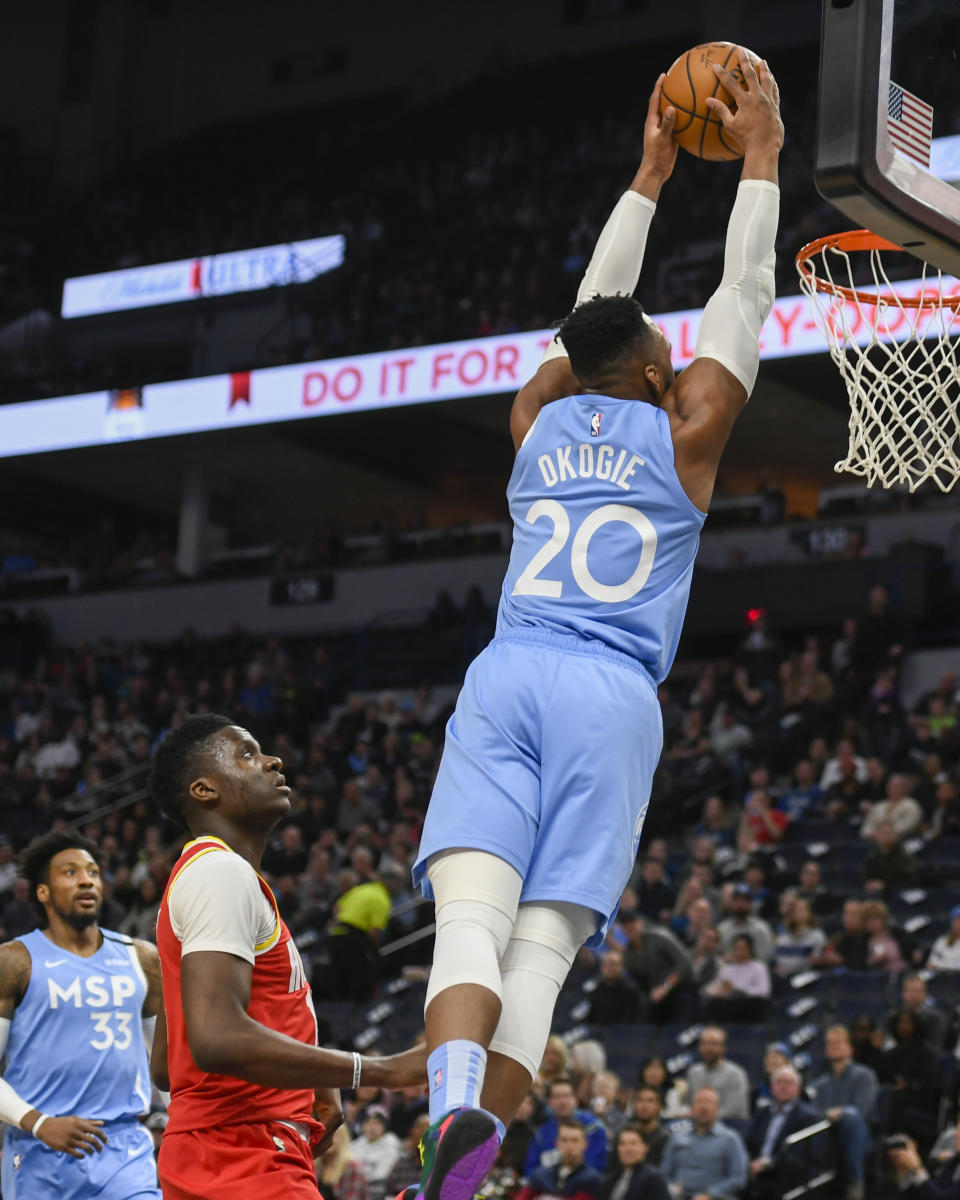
(421, 375)
(193, 278)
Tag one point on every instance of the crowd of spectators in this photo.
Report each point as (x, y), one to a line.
(801, 834)
(449, 236)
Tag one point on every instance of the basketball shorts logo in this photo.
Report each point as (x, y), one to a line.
(438, 1078)
(279, 1143)
(17, 1160)
(595, 424)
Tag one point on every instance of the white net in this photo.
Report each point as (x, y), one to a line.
(898, 357)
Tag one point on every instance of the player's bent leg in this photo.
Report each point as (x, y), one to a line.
(546, 938)
(477, 895)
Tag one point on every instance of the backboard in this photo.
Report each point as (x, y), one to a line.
(888, 126)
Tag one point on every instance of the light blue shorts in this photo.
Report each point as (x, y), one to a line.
(548, 763)
(124, 1169)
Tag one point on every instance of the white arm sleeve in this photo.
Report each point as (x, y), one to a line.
(617, 257)
(730, 328)
(12, 1108)
(216, 903)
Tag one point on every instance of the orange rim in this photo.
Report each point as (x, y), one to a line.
(862, 239)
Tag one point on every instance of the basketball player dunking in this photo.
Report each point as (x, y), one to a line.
(251, 1092)
(535, 817)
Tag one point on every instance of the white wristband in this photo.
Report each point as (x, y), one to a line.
(38, 1122)
(357, 1068)
(13, 1108)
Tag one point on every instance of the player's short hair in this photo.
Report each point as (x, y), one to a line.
(35, 858)
(177, 762)
(602, 332)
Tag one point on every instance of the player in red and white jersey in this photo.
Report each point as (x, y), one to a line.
(252, 1095)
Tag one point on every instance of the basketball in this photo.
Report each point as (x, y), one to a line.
(689, 82)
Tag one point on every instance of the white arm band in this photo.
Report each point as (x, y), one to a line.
(617, 257)
(730, 328)
(12, 1108)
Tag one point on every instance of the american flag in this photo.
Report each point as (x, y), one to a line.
(910, 122)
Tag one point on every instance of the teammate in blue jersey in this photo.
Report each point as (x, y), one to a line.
(74, 1000)
(535, 817)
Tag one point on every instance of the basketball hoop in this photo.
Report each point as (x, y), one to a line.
(897, 354)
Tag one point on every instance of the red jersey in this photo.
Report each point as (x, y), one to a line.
(760, 829)
(280, 999)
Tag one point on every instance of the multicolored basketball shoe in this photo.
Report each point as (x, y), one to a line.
(458, 1150)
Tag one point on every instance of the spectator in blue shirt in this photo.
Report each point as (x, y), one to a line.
(847, 1096)
(709, 1162)
(805, 797)
(569, 1177)
(562, 1106)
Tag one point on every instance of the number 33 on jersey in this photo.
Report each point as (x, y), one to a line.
(604, 535)
(77, 1040)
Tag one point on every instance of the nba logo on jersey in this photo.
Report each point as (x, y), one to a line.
(280, 1144)
(438, 1078)
(595, 424)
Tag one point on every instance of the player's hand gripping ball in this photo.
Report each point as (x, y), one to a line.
(689, 82)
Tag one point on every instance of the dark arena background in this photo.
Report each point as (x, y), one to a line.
(270, 276)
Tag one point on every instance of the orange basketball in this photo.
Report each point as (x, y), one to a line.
(688, 83)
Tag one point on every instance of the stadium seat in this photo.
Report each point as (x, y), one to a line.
(944, 988)
(812, 830)
(855, 992)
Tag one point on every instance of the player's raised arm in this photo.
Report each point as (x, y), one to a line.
(711, 393)
(615, 265)
(225, 1040)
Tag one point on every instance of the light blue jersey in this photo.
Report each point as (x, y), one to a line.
(76, 1048)
(550, 754)
(604, 536)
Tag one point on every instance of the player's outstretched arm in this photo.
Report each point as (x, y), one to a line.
(711, 393)
(616, 262)
(224, 1039)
